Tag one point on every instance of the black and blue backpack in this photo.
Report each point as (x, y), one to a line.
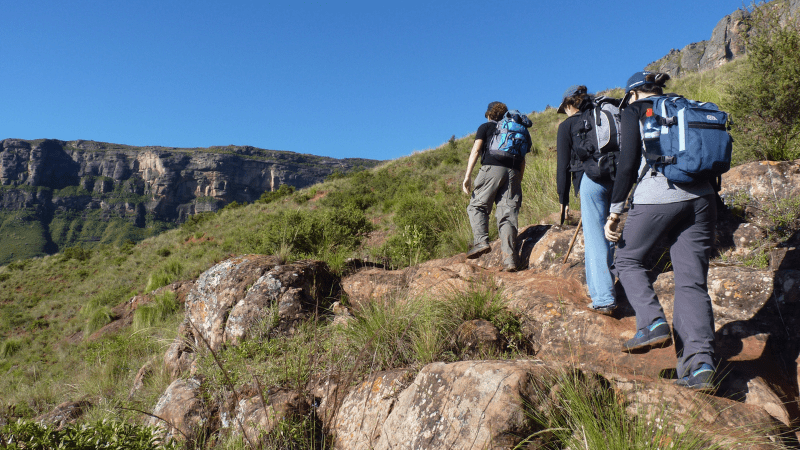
(511, 139)
(595, 148)
(686, 140)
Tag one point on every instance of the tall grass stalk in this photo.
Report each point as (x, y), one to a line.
(587, 413)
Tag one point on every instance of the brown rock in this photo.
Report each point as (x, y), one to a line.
(373, 283)
(259, 416)
(182, 411)
(723, 421)
(762, 183)
(141, 376)
(737, 293)
(478, 336)
(359, 420)
(464, 405)
(64, 414)
(249, 296)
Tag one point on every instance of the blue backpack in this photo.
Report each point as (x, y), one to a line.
(686, 140)
(511, 138)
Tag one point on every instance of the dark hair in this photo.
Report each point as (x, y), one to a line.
(496, 111)
(654, 83)
(580, 100)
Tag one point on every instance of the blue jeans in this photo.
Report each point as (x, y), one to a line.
(599, 253)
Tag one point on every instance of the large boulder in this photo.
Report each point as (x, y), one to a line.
(182, 411)
(251, 296)
(465, 405)
(360, 416)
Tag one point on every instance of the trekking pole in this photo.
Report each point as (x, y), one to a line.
(572, 242)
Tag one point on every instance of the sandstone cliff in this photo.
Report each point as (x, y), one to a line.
(144, 185)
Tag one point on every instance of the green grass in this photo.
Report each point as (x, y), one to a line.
(582, 412)
(50, 305)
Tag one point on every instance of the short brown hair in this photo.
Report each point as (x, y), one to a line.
(496, 111)
(579, 100)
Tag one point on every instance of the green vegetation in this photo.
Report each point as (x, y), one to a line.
(587, 413)
(764, 100)
(400, 213)
(22, 235)
(109, 435)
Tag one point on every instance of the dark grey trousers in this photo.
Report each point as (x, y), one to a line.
(501, 186)
(689, 227)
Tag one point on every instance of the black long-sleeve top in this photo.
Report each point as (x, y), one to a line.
(566, 130)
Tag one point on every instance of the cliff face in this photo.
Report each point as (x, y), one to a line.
(141, 184)
(727, 43)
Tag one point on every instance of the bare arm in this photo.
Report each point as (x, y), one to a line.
(473, 158)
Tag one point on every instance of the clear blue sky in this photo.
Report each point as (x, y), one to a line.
(367, 79)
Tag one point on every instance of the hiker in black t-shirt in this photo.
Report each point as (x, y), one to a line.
(498, 182)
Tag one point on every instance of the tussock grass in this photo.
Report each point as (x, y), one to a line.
(581, 412)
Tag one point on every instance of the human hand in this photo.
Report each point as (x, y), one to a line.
(466, 185)
(610, 229)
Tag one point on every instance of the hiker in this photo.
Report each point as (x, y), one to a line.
(595, 199)
(685, 213)
(502, 148)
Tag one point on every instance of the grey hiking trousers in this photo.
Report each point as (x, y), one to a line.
(689, 226)
(503, 187)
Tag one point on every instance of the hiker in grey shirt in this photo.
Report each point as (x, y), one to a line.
(683, 212)
(498, 182)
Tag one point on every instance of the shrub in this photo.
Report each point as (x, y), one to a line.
(320, 233)
(109, 435)
(282, 191)
(764, 98)
(77, 253)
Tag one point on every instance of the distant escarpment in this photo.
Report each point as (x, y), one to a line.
(726, 44)
(55, 193)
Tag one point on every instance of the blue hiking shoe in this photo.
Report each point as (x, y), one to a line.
(699, 380)
(656, 335)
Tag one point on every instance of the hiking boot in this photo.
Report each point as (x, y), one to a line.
(699, 380)
(478, 250)
(606, 310)
(656, 335)
(510, 267)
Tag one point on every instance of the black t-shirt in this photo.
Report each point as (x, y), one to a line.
(485, 133)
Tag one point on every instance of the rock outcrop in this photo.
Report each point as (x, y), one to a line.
(144, 184)
(728, 42)
(251, 297)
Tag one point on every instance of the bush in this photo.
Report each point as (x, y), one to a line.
(105, 434)
(764, 98)
(77, 253)
(319, 233)
(282, 191)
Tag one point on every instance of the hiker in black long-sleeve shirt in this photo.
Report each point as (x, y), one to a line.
(686, 214)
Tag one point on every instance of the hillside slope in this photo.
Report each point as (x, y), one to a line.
(56, 194)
